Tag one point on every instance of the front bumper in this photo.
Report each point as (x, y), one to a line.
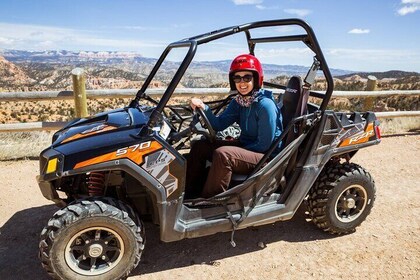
(49, 192)
(45, 179)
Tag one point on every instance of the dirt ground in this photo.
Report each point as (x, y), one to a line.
(385, 246)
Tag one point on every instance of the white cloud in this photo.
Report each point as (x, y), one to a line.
(6, 41)
(247, 2)
(287, 29)
(410, 6)
(38, 37)
(148, 28)
(408, 9)
(373, 59)
(261, 7)
(286, 51)
(298, 12)
(359, 31)
(45, 44)
(374, 54)
(365, 53)
(133, 27)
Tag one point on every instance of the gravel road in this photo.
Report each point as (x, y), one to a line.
(385, 246)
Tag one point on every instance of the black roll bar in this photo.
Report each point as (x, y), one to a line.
(280, 39)
(309, 39)
(157, 112)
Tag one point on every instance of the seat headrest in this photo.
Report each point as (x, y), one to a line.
(294, 85)
(291, 98)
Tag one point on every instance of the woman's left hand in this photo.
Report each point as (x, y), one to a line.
(197, 103)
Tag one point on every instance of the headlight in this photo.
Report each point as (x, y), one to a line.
(52, 165)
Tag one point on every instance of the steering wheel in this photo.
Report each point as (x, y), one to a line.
(211, 135)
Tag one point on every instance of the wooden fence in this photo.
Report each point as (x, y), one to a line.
(130, 93)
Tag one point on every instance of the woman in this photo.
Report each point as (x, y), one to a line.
(259, 118)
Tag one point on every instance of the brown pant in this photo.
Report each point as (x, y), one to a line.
(227, 157)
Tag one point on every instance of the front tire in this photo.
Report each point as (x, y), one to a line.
(341, 198)
(90, 239)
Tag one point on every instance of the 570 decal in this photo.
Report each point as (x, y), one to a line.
(134, 153)
(133, 148)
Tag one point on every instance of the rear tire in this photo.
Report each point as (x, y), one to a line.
(92, 239)
(341, 198)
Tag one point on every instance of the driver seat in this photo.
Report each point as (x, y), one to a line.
(293, 103)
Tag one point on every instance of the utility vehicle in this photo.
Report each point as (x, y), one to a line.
(111, 171)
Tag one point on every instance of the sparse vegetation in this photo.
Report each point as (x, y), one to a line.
(15, 145)
(36, 76)
(30, 144)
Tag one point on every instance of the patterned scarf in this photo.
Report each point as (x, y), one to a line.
(246, 101)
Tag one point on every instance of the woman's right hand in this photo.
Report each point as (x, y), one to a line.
(197, 103)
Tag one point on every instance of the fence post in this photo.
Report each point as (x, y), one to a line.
(370, 86)
(79, 92)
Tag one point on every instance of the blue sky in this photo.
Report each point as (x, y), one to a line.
(360, 35)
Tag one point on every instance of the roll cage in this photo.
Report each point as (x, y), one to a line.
(309, 39)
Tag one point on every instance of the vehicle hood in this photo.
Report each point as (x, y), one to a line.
(103, 123)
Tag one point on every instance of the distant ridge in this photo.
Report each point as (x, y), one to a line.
(113, 57)
(49, 70)
(382, 75)
(71, 57)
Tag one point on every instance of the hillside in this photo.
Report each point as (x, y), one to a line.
(136, 62)
(50, 70)
(12, 76)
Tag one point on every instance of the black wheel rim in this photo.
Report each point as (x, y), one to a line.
(351, 203)
(94, 251)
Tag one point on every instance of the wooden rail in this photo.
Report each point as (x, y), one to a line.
(48, 126)
(31, 126)
(79, 95)
(130, 93)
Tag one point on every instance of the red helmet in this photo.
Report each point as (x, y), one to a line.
(247, 62)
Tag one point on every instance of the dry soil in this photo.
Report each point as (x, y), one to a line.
(385, 246)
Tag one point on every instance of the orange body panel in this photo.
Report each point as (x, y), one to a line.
(360, 138)
(134, 153)
(93, 131)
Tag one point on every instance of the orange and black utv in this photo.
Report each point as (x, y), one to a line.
(111, 171)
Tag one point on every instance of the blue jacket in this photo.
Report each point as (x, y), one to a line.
(260, 123)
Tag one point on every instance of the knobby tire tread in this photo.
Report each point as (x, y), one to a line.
(84, 208)
(321, 192)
